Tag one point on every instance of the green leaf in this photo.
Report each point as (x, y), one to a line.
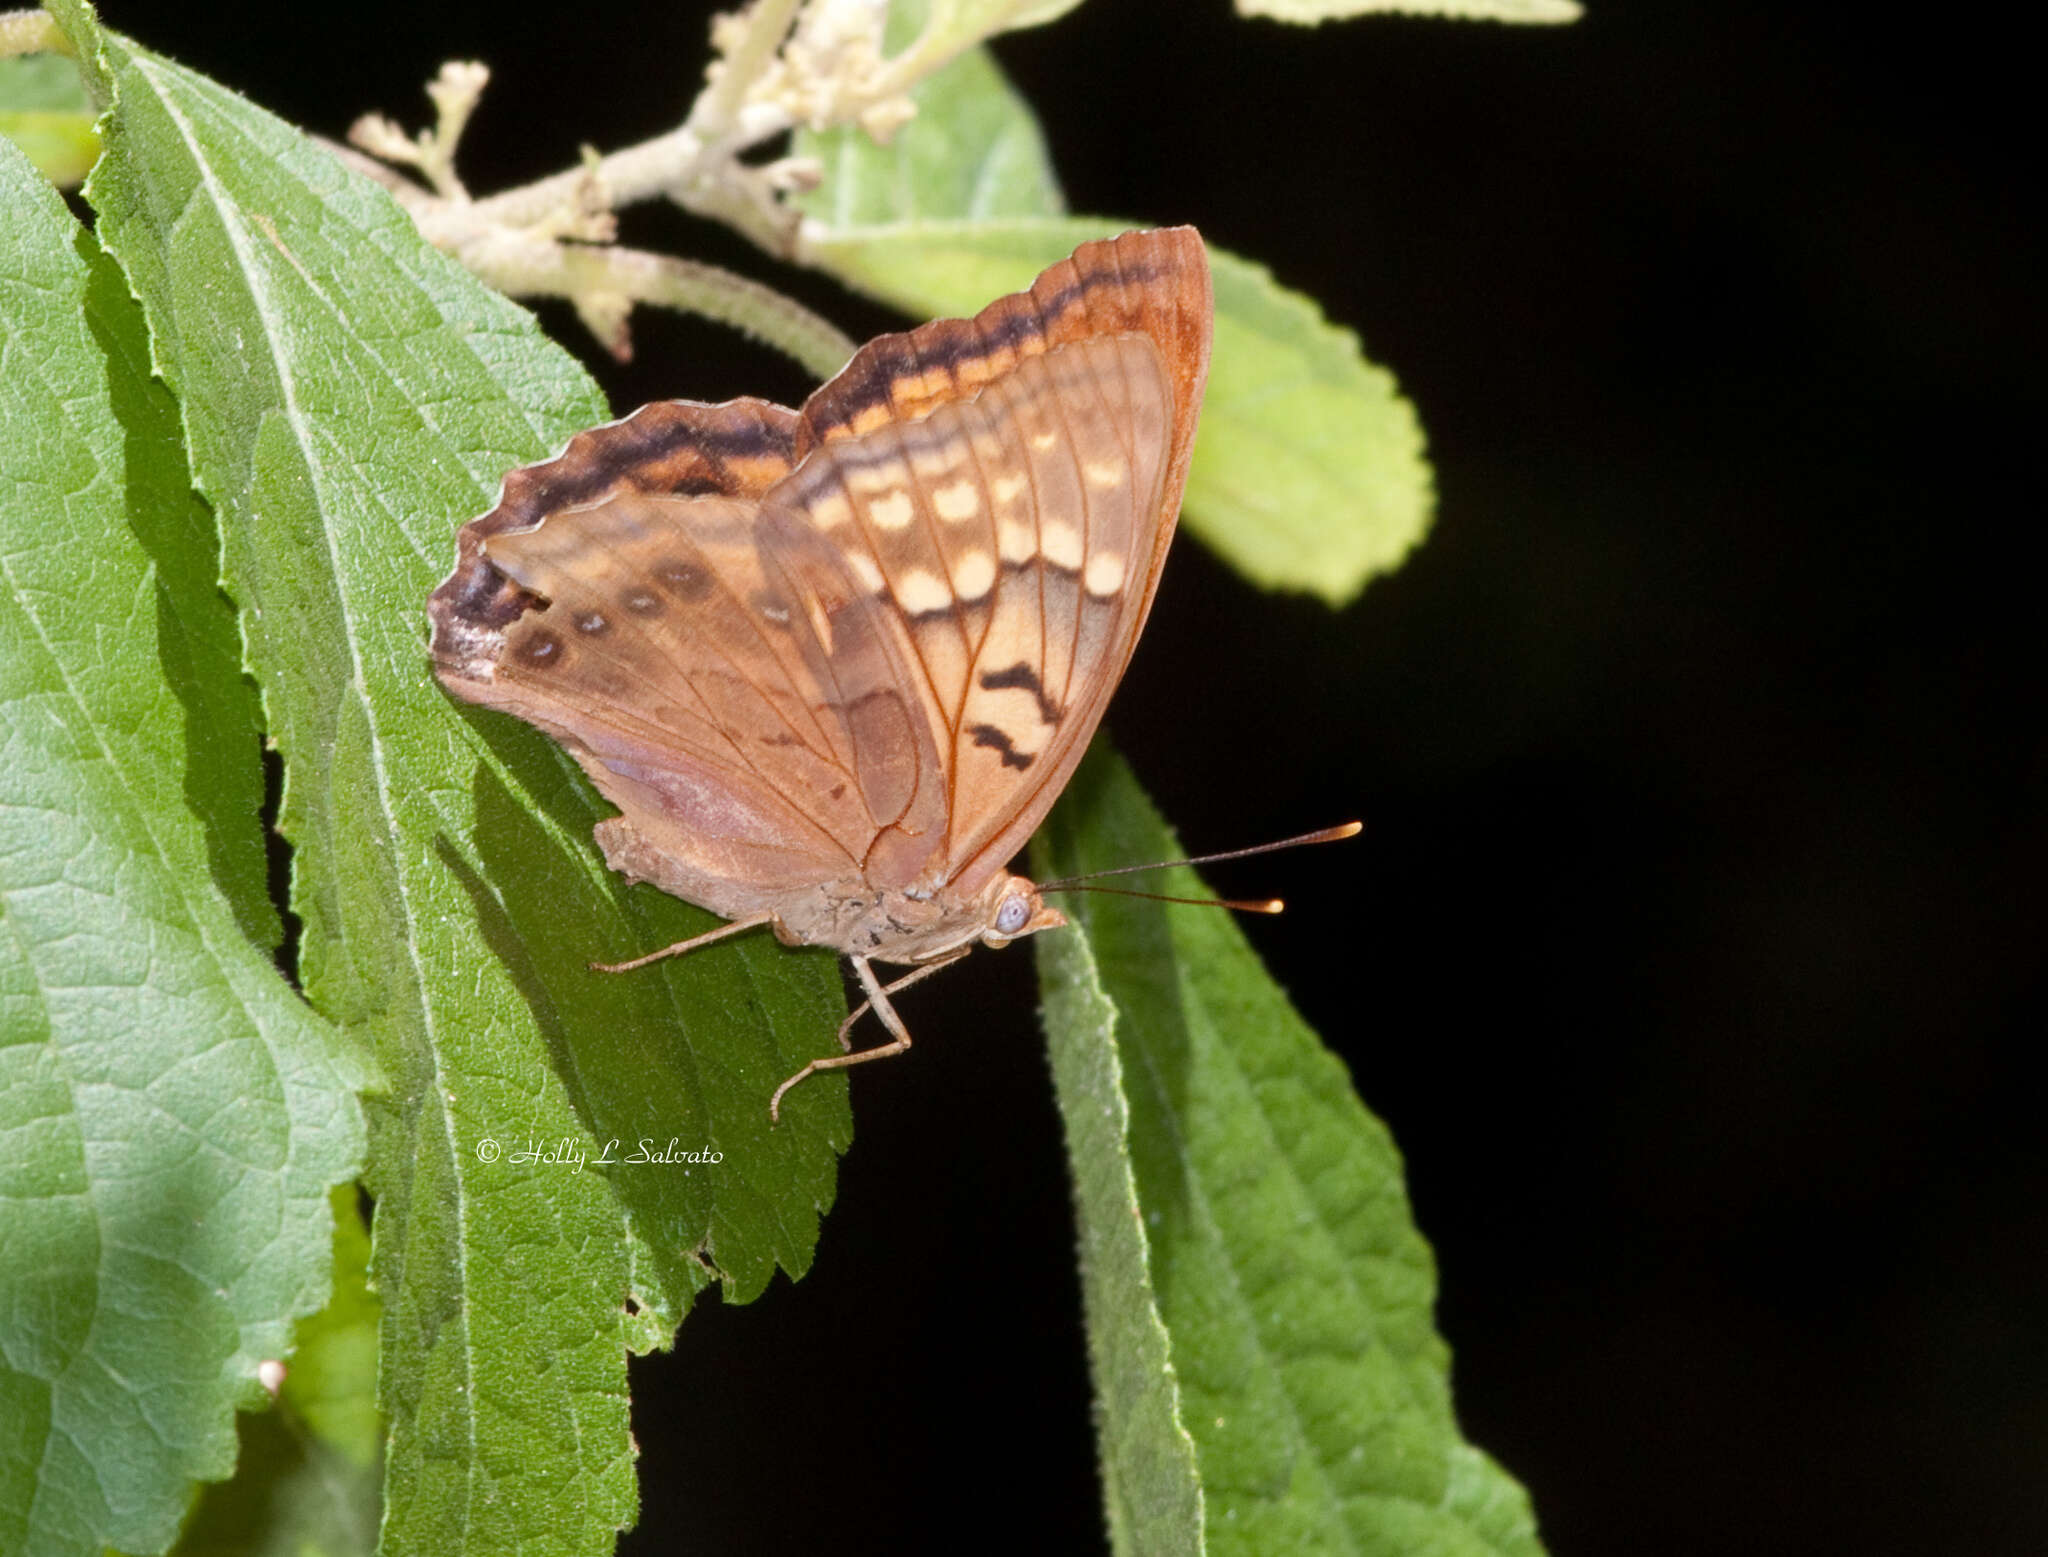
(1308, 470)
(952, 25)
(306, 1479)
(48, 82)
(171, 1114)
(350, 397)
(1312, 11)
(1151, 1493)
(43, 110)
(1294, 1291)
(332, 1386)
(974, 150)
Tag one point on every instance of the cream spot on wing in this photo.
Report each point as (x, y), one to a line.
(1017, 543)
(973, 575)
(1105, 573)
(1061, 544)
(1103, 473)
(829, 510)
(932, 463)
(921, 590)
(865, 570)
(867, 480)
(754, 472)
(1004, 489)
(821, 622)
(957, 502)
(1043, 441)
(891, 512)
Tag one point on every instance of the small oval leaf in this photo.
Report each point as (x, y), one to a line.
(1309, 12)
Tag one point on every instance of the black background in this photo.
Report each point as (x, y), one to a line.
(1695, 942)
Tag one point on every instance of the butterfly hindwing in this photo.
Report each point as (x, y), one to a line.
(866, 690)
(670, 448)
(673, 658)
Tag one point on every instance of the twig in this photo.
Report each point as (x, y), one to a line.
(31, 32)
(779, 64)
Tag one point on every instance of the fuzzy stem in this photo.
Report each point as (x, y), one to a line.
(31, 32)
(718, 105)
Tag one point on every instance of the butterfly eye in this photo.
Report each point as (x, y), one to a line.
(1011, 916)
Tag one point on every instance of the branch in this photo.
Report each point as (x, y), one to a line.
(778, 64)
(31, 32)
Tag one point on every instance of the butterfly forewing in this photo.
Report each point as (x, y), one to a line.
(1145, 283)
(1095, 438)
(1016, 538)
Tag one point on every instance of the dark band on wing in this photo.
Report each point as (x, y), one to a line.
(1024, 678)
(988, 735)
(958, 610)
(670, 448)
(1106, 287)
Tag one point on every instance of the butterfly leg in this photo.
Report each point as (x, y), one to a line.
(751, 922)
(878, 1001)
(908, 979)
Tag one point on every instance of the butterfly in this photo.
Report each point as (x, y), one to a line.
(833, 665)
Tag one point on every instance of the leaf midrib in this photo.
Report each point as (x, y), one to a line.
(260, 300)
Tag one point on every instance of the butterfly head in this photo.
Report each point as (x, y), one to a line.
(1015, 909)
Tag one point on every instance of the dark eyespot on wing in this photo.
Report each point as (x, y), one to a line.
(988, 735)
(684, 580)
(770, 607)
(539, 648)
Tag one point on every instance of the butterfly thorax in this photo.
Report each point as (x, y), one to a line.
(893, 925)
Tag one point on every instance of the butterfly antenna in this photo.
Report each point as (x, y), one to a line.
(1264, 905)
(1271, 905)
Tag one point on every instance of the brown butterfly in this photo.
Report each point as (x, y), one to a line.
(834, 665)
